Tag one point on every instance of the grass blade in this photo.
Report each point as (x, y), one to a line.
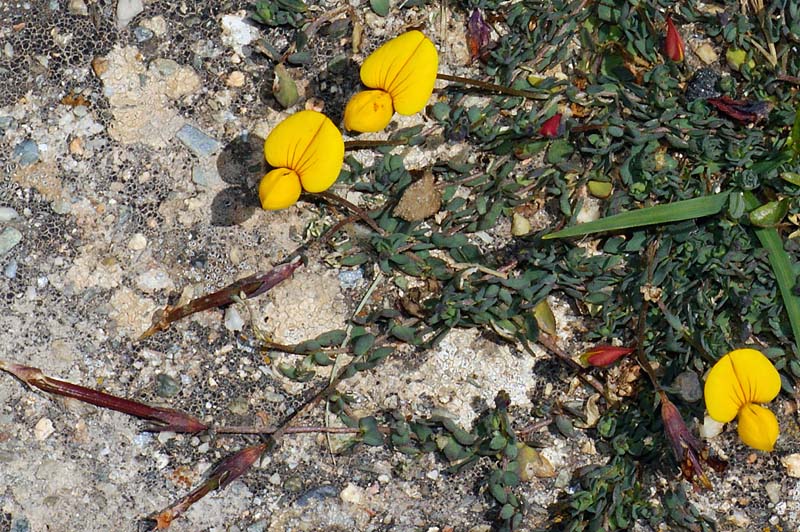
(658, 214)
(781, 268)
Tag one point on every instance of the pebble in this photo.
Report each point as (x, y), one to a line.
(43, 429)
(127, 10)
(198, 142)
(319, 493)
(710, 428)
(352, 494)
(8, 50)
(9, 238)
(154, 280)
(7, 214)
(233, 320)
(76, 146)
(203, 175)
(773, 491)
(239, 406)
(26, 152)
(10, 271)
(6, 122)
(689, 387)
(520, 226)
(350, 278)
(61, 206)
(137, 242)
(706, 53)
(157, 24)
(77, 7)
(20, 524)
(80, 111)
(792, 464)
(166, 67)
(275, 479)
(167, 386)
(235, 79)
(142, 34)
(258, 526)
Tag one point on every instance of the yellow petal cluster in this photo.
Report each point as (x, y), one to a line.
(735, 386)
(306, 151)
(401, 73)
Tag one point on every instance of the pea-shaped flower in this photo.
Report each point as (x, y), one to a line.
(735, 386)
(401, 73)
(306, 151)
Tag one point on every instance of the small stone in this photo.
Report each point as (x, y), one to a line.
(773, 490)
(8, 50)
(142, 34)
(275, 479)
(350, 278)
(6, 122)
(792, 464)
(127, 10)
(520, 226)
(420, 200)
(43, 429)
(166, 67)
(198, 142)
(76, 146)
(99, 66)
(157, 25)
(235, 79)
(26, 152)
(61, 206)
(239, 406)
(77, 7)
(703, 85)
(20, 524)
(706, 53)
(154, 280)
(352, 494)
(10, 271)
(258, 526)
(9, 238)
(205, 175)
(739, 519)
(689, 387)
(293, 484)
(710, 428)
(167, 386)
(137, 242)
(7, 214)
(233, 320)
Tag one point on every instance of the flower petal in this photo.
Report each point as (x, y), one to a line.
(279, 189)
(740, 377)
(368, 111)
(309, 144)
(758, 427)
(405, 67)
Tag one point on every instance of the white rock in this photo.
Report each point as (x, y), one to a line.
(792, 464)
(137, 242)
(7, 214)
(236, 32)
(710, 428)
(157, 24)
(154, 280)
(352, 494)
(233, 320)
(127, 10)
(43, 429)
(77, 7)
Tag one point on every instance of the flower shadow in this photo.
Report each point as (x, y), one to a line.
(241, 164)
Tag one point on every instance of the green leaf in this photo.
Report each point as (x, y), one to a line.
(781, 268)
(770, 214)
(507, 511)
(380, 7)
(559, 150)
(672, 212)
(284, 87)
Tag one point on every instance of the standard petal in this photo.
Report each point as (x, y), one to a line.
(758, 427)
(279, 189)
(368, 111)
(308, 143)
(740, 377)
(406, 68)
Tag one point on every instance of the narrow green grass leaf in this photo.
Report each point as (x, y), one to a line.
(658, 214)
(781, 268)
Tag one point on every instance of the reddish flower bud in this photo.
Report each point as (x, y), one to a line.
(551, 127)
(604, 355)
(673, 45)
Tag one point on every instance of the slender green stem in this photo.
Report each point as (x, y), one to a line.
(485, 85)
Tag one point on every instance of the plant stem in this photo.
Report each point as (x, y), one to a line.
(362, 214)
(492, 87)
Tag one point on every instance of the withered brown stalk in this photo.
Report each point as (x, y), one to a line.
(162, 418)
(250, 286)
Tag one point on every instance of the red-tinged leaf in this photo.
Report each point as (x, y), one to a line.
(551, 127)
(673, 44)
(741, 110)
(605, 355)
(687, 449)
(162, 418)
(477, 36)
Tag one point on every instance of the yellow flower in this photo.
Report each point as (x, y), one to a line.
(306, 151)
(734, 387)
(402, 73)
